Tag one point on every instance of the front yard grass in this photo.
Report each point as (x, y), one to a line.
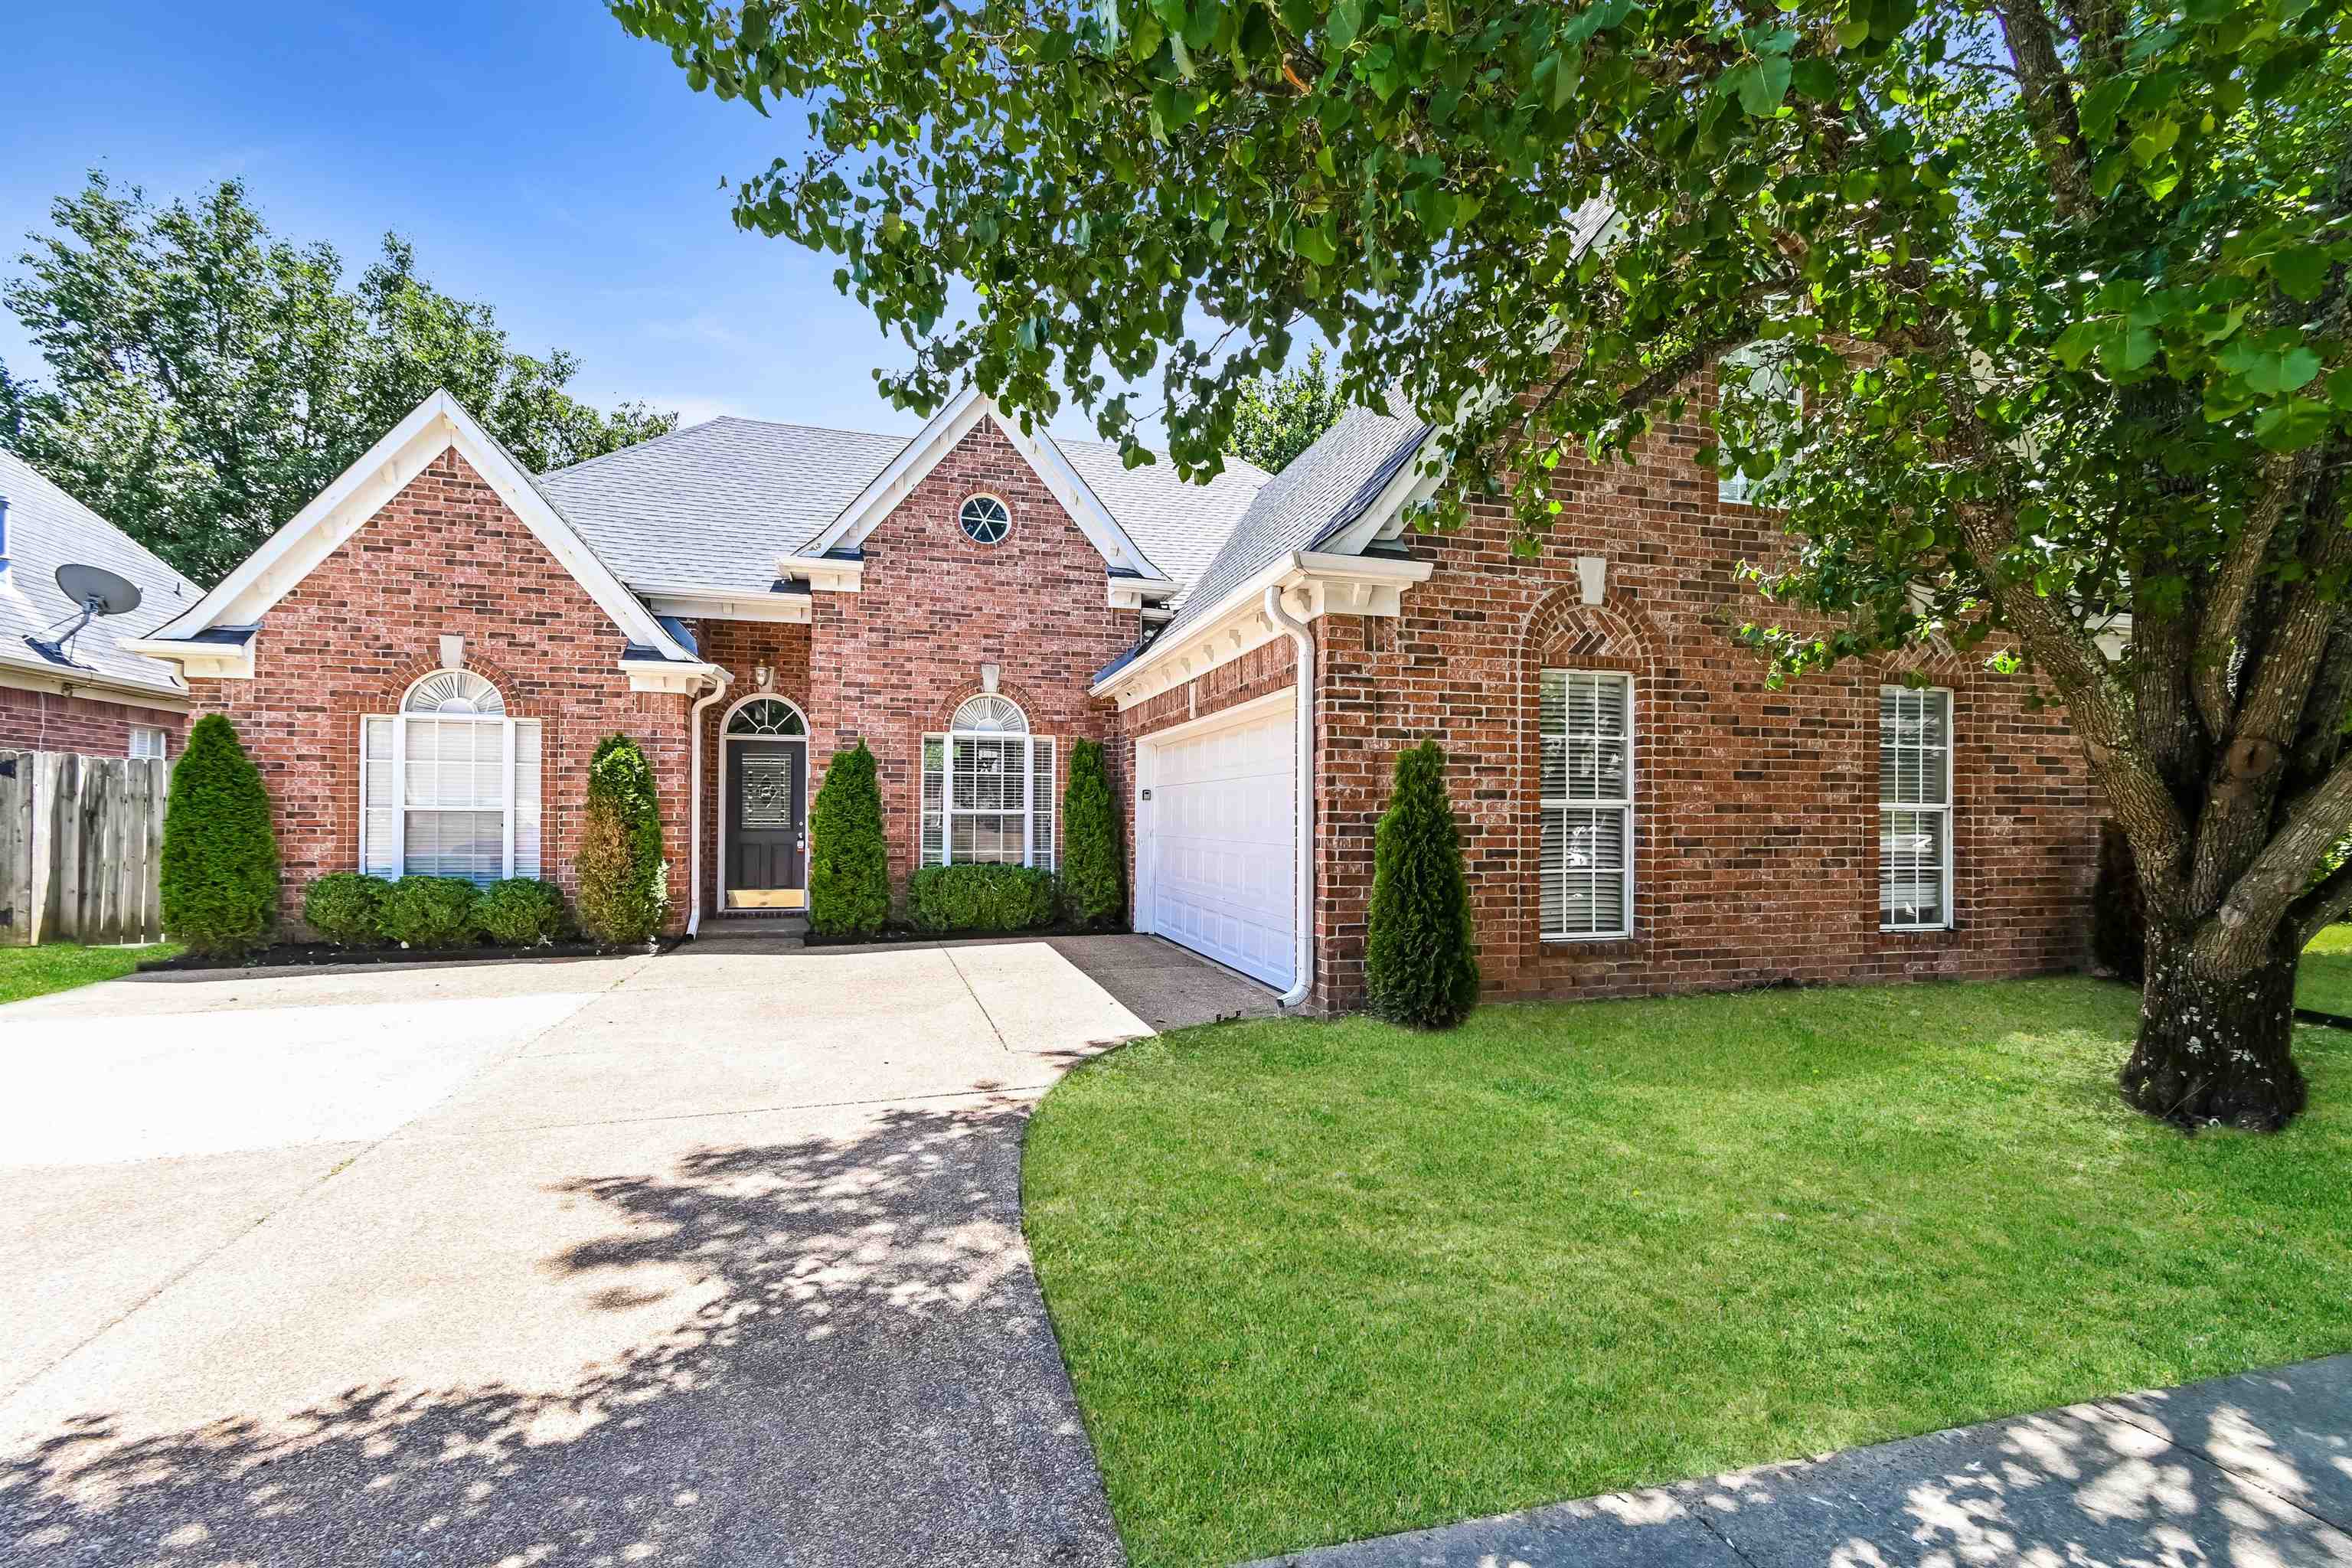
(2323, 981)
(1322, 1281)
(62, 965)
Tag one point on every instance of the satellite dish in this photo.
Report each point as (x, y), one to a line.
(96, 592)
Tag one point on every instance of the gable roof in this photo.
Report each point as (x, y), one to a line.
(708, 510)
(344, 506)
(48, 528)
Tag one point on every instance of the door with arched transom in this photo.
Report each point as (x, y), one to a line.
(765, 857)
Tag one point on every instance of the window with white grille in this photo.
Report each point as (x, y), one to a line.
(449, 785)
(1914, 809)
(1586, 720)
(987, 789)
(147, 741)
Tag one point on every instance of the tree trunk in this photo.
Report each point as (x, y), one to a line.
(2215, 1050)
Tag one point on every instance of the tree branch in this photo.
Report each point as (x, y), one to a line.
(2048, 96)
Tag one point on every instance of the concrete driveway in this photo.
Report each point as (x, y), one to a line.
(712, 1257)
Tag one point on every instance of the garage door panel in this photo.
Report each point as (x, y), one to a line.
(1220, 833)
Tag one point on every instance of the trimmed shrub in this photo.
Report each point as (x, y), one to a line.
(2118, 919)
(849, 863)
(624, 880)
(220, 853)
(520, 912)
(346, 908)
(1093, 871)
(980, 897)
(430, 912)
(1421, 964)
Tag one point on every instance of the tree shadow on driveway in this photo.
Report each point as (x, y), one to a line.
(869, 1378)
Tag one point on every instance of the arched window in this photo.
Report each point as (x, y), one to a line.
(767, 716)
(449, 784)
(989, 788)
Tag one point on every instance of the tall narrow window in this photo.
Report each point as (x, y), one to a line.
(449, 785)
(1914, 809)
(1586, 722)
(987, 789)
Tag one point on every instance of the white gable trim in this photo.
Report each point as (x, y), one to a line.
(344, 506)
(948, 427)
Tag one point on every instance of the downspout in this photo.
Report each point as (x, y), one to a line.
(694, 800)
(1303, 767)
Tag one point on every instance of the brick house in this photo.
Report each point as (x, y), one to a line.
(90, 694)
(424, 660)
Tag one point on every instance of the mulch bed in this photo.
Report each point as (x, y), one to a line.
(305, 954)
(905, 933)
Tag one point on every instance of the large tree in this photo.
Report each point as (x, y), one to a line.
(2060, 283)
(1278, 417)
(205, 378)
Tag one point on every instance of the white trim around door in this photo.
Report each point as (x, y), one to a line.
(726, 767)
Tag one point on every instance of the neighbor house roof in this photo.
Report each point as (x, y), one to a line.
(708, 510)
(48, 528)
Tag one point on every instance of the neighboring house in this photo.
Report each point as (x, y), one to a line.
(425, 660)
(92, 695)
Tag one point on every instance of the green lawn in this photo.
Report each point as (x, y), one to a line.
(2324, 979)
(1320, 1281)
(62, 965)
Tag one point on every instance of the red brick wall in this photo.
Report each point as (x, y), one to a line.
(51, 722)
(445, 557)
(740, 647)
(1756, 811)
(891, 663)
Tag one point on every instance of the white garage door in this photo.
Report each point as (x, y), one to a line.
(1219, 841)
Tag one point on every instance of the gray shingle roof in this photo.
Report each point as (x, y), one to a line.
(48, 528)
(709, 509)
(1324, 490)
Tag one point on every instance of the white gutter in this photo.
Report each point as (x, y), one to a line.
(1302, 712)
(694, 800)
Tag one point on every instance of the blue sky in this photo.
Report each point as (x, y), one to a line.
(541, 159)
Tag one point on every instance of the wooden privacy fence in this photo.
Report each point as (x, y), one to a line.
(82, 847)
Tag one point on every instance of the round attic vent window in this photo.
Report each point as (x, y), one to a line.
(985, 520)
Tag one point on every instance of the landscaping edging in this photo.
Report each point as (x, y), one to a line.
(320, 954)
(897, 935)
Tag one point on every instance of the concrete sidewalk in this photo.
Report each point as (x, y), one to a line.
(2251, 1472)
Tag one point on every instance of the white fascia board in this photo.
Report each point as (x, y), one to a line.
(359, 491)
(1129, 592)
(1314, 582)
(682, 678)
(779, 608)
(51, 679)
(199, 660)
(1077, 499)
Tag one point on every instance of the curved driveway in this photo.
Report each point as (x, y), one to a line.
(707, 1259)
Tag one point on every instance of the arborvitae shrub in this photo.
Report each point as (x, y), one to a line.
(520, 912)
(1421, 964)
(980, 897)
(220, 853)
(624, 880)
(849, 861)
(2118, 923)
(346, 908)
(1093, 872)
(430, 912)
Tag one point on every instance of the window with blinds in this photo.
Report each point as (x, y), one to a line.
(1914, 809)
(1586, 720)
(449, 786)
(988, 790)
(147, 742)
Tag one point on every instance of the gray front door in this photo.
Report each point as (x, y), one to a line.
(767, 818)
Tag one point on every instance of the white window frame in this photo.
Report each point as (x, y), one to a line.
(1946, 809)
(159, 743)
(1036, 748)
(1547, 804)
(1002, 505)
(400, 718)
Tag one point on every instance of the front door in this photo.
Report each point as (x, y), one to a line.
(767, 824)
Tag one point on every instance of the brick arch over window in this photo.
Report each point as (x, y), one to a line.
(1019, 696)
(512, 689)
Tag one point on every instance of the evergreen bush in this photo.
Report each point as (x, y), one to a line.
(220, 854)
(849, 861)
(1421, 964)
(346, 908)
(624, 880)
(980, 897)
(2118, 921)
(520, 912)
(430, 912)
(1093, 871)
